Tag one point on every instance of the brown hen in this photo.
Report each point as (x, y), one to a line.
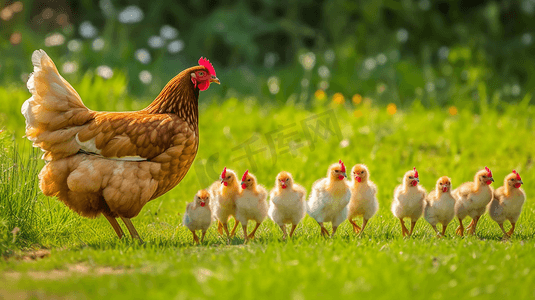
(112, 163)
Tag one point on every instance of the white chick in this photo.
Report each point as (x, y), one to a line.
(440, 205)
(507, 203)
(251, 204)
(224, 193)
(198, 215)
(288, 202)
(409, 200)
(363, 197)
(472, 199)
(329, 198)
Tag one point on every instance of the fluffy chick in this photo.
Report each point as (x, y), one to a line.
(224, 193)
(409, 200)
(329, 198)
(363, 197)
(288, 202)
(507, 202)
(440, 205)
(198, 215)
(251, 204)
(472, 199)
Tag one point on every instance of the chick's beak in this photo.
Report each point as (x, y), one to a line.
(417, 179)
(491, 179)
(215, 80)
(344, 174)
(520, 181)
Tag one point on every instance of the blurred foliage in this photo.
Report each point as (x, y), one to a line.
(392, 51)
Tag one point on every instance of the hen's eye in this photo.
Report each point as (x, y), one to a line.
(201, 73)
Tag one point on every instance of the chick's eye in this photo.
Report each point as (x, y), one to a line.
(361, 172)
(228, 177)
(248, 179)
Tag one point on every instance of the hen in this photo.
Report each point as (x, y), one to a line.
(508, 201)
(472, 199)
(113, 163)
(329, 198)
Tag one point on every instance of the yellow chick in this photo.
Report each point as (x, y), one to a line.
(224, 193)
(409, 200)
(507, 203)
(439, 205)
(251, 204)
(363, 197)
(472, 199)
(198, 215)
(288, 202)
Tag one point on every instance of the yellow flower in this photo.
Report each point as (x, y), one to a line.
(338, 98)
(357, 99)
(357, 113)
(320, 95)
(453, 110)
(391, 109)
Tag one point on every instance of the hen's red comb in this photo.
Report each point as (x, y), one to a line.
(224, 173)
(245, 175)
(206, 63)
(517, 175)
(342, 164)
(415, 172)
(489, 173)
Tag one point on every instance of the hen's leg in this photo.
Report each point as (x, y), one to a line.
(413, 223)
(233, 232)
(251, 235)
(131, 229)
(356, 227)
(512, 230)
(460, 229)
(294, 226)
(283, 228)
(115, 226)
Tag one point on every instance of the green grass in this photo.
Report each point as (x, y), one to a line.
(88, 261)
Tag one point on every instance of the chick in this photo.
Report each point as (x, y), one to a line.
(363, 197)
(288, 202)
(198, 215)
(251, 204)
(329, 198)
(472, 199)
(439, 206)
(224, 193)
(408, 200)
(507, 202)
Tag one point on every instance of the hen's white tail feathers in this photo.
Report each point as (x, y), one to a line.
(54, 112)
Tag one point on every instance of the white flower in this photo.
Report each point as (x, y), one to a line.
(145, 76)
(131, 14)
(104, 72)
(168, 32)
(143, 55)
(175, 46)
(87, 30)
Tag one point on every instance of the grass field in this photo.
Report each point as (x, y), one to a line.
(84, 258)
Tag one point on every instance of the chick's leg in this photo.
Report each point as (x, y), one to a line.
(435, 229)
(503, 229)
(245, 236)
(202, 236)
(115, 226)
(251, 236)
(233, 231)
(195, 237)
(472, 227)
(324, 231)
(334, 230)
(294, 226)
(364, 223)
(356, 228)
(283, 228)
(225, 227)
(460, 229)
(512, 230)
(131, 229)
(220, 227)
(413, 223)
(404, 230)
(444, 226)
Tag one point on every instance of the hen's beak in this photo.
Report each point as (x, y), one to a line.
(215, 80)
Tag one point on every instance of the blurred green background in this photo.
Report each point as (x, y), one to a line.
(439, 53)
